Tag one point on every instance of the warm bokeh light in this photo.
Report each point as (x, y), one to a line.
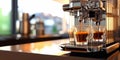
(109, 23)
(63, 1)
(109, 7)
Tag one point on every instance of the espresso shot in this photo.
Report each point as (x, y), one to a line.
(98, 35)
(80, 37)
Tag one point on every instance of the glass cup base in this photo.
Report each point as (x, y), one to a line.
(81, 43)
(98, 40)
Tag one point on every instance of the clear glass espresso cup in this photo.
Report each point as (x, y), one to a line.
(99, 33)
(81, 35)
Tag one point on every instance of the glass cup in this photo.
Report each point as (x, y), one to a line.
(71, 36)
(81, 35)
(99, 33)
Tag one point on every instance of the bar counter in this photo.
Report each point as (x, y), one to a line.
(19, 39)
(45, 50)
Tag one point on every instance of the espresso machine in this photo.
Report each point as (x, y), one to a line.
(94, 27)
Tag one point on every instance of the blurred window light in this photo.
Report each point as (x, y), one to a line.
(36, 6)
(49, 22)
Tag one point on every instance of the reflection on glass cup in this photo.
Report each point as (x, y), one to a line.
(99, 33)
(71, 36)
(71, 33)
(80, 35)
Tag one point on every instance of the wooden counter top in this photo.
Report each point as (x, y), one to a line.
(45, 50)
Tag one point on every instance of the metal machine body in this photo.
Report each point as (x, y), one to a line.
(94, 13)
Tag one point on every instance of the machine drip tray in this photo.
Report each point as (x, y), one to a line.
(96, 50)
(91, 47)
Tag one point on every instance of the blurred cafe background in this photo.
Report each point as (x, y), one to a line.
(48, 16)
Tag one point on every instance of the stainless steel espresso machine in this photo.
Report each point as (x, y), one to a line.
(94, 26)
